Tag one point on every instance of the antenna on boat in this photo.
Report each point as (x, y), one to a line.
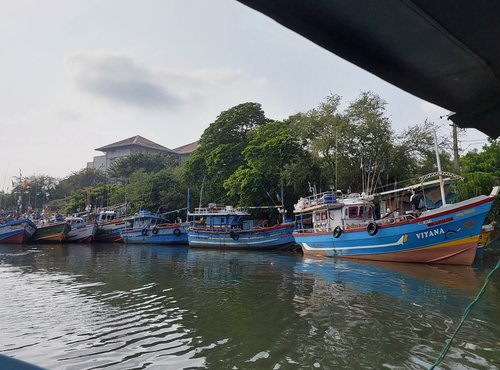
(201, 191)
(440, 173)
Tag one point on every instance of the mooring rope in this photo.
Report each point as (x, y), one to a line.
(464, 316)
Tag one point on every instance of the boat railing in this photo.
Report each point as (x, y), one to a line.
(215, 208)
(360, 225)
(327, 197)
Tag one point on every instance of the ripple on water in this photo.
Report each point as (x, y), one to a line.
(58, 322)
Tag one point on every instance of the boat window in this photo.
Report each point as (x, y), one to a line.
(316, 217)
(323, 216)
(353, 212)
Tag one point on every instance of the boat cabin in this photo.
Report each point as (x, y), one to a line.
(76, 222)
(105, 216)
(144, 219)
(324, 212)
(220, 217)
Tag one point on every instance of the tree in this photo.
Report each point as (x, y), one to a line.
(220, 150)
(149, 162)
(271, 151)
(481, 171)
(325, 129)
(84, 178)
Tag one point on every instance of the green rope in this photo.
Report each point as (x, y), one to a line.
(464, 316)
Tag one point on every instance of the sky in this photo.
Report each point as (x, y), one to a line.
(77, 75)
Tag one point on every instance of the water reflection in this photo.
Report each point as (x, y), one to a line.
(124, 307)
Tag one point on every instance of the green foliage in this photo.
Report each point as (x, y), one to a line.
(272, 148)
(162, 191)
(87, 177)
(100, 196)
(150, 162)
(220, 151)
(481, 171)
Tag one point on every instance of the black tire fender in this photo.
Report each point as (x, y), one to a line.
(372, 228)
(234, 235)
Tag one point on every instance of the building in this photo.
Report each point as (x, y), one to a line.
(136, 144)
(183, 152)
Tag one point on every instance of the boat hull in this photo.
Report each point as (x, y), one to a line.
(51, 233)
(110, 232)
(17, 232)
(82, 234)
(269, 238)
(449, 236)
(166, 234)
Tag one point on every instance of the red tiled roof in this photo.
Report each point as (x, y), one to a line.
(137, 141)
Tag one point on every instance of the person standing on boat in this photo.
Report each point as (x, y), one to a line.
(417, 201)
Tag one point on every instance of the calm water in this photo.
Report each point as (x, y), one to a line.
(158, 307)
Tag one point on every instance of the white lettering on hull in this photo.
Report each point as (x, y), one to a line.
(430, 233)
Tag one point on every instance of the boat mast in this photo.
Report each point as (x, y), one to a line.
(440, 173)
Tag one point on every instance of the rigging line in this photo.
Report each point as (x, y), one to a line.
(464, 316)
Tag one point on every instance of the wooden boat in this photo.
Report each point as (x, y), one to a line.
(16, 231)
(109, 227)
(81, 231)
(148, 228)
(227, 227)
(346, 227)
(55, 231)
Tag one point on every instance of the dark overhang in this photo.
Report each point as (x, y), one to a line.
(444, 51)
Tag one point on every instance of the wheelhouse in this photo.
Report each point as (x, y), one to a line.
(325, 212)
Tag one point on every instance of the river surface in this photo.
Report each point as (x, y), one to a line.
(157, 307)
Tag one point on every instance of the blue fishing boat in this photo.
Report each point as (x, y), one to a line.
(345, 226)
(148, 228)
(16, 231)
(218, 226)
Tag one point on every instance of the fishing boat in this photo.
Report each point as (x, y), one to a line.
(148, 228)
(485, 238)
(221, 226)
(81, 231)
(345, 226)
(109, 227)
(16, 231)
(51, 231)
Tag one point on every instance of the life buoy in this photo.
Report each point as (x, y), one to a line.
(372, 228)
(337, 232)
(144, 232)
(234, 235)
(177, 232)
(155, 230)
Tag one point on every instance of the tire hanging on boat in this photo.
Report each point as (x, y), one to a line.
(155, 230)
(177, 232)
(337, 232)
(234, 235)
(144, 232)
(372, 228)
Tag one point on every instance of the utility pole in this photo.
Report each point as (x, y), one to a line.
(456, 158)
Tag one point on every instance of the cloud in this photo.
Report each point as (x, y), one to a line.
(121, 80)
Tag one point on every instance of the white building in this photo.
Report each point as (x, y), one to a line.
(136, 144)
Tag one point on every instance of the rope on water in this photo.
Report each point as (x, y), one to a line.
(464, 316)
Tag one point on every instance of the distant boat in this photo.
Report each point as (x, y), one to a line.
(227, 227)
(17, 231)
(109, 227)
(346, 227)
(81, 231)
(54, 231)
(148, 228)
